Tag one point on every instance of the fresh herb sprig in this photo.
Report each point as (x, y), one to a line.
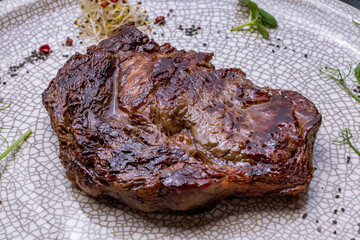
(258, 17)
(336, 75)
(345, 136)
(17, 142)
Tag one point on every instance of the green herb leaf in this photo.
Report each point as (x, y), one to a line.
(254, 10)
(262, 30)
(357, 73)
(267, 17)
(255, 13)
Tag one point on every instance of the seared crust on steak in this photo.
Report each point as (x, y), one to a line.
(163, 130)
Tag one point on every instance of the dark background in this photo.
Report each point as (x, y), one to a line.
(354, 3)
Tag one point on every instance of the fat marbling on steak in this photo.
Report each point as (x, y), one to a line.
(161, 129)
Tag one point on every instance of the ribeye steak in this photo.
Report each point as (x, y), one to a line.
(161, 129)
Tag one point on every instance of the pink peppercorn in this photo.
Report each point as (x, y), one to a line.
(104, 4)
(44, 49)
(160, 19)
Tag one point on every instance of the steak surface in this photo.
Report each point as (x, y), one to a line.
(161, 129)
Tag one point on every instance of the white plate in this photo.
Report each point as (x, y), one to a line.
(38, 201)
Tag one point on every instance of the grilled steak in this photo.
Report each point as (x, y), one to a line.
(163, 130)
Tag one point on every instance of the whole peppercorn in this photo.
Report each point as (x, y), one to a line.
(44, 49)
(160, 19)
(104, 4)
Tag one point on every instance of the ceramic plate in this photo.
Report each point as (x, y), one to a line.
(39, 202)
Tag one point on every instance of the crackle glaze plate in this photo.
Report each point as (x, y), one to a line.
(37, 201)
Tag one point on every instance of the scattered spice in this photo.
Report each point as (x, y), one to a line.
(335, 211)
(304, 215)
(339, 189)
(191, 31)
(318, 229)
(337, 196)
(334, 232)
(204, 44)
(305, 55)
(69, 42)
(343, 209)
(348, 158)
(44, 49)
(316, 221)
(170, 11)
(34, 57)
(334, 222)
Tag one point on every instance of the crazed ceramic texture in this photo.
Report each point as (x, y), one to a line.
(38, 201)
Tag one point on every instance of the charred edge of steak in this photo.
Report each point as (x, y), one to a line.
(161, 129)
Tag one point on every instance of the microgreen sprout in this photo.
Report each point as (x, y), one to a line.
(345, 136)
(101, 19)
(335, 74)
(257, 18)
